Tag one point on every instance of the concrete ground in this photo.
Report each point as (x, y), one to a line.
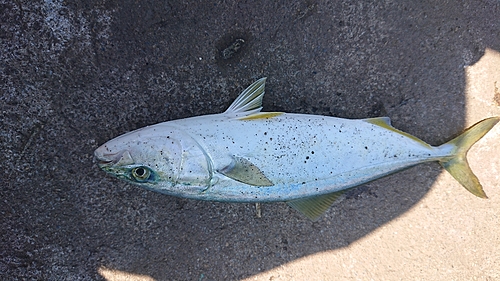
(74, 74)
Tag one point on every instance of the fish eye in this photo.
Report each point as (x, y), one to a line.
(141, 174)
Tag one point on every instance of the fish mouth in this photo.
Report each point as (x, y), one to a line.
(105, 160)
(104, 163)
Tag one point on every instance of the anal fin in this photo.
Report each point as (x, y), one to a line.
(314, 207)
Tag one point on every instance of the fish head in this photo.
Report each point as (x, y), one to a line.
(161, 159)
(140, 158)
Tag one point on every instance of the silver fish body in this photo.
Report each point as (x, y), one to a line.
(244, 155)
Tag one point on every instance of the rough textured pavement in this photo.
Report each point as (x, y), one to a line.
(74, 74)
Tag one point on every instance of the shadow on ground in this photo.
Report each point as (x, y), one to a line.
(75, 74)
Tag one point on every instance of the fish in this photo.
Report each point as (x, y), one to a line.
(246, 155)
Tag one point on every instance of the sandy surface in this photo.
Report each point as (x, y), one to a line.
(75, 74)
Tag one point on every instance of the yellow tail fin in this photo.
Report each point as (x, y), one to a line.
(457, 166)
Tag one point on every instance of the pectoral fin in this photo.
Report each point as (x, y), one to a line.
(242, 170)
(314, 207)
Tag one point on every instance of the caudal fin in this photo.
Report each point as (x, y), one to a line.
(457, 166)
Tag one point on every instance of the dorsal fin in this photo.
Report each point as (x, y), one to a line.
(385, 123)
(249, 101)
(379, 121)
(261, 115)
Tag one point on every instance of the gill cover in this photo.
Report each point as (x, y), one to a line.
(196, 167)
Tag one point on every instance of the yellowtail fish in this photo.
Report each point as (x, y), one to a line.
(245, 155)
